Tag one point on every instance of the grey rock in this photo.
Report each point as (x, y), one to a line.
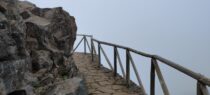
(2, 17)
(36, 45)
(41, 59)
(2, 9)
(2, 88)
(47, 79)
(29, 90)
(74, 86)
(25, 6)
(14, 59)
(25, 15)
(12, 73)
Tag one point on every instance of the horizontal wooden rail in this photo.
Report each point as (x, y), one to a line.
(174, 65)
(84, 35)
(184, 70)
(124, 47)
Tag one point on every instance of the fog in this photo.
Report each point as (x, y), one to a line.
(178, 30)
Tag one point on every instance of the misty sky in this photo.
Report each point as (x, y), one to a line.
(175, 29)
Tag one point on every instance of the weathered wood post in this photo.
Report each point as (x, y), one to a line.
(115, 61)
(84, 44)
(198, 89)
(99, 55)
(202, 89)
(160, 77)
(92, 46)
(152, 78)
(127, 68)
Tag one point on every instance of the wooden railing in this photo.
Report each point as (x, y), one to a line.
(202, 81)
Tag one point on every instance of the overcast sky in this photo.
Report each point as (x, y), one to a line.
(175, 29)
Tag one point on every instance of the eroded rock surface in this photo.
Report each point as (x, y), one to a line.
(74, 86)
(35, 47)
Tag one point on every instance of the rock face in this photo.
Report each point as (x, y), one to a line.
(35, 47)
(74, 86)
(14, 58)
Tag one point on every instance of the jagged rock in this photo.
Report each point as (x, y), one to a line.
(28, 90)
(2, 88)
(54, 33)
(35, 45)
(30, 78)
(41, 59)
(47, 79)
(14, 59)
(2, 17)
(68, 68)
(38, 21)
(25, 15)
(2, 9)
(25, 6)
(39, 12)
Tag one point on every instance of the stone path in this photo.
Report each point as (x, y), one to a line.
(101, 81)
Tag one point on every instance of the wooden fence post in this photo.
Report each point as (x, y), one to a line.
(198, 89)
(92, 49)
(127, 68)
(115, 61)
(85, 44)
(99, 55)
(202, 89)
(152, 78)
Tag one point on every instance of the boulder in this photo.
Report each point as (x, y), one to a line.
(36, 45)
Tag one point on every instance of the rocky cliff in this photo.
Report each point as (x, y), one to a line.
(35, 45)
